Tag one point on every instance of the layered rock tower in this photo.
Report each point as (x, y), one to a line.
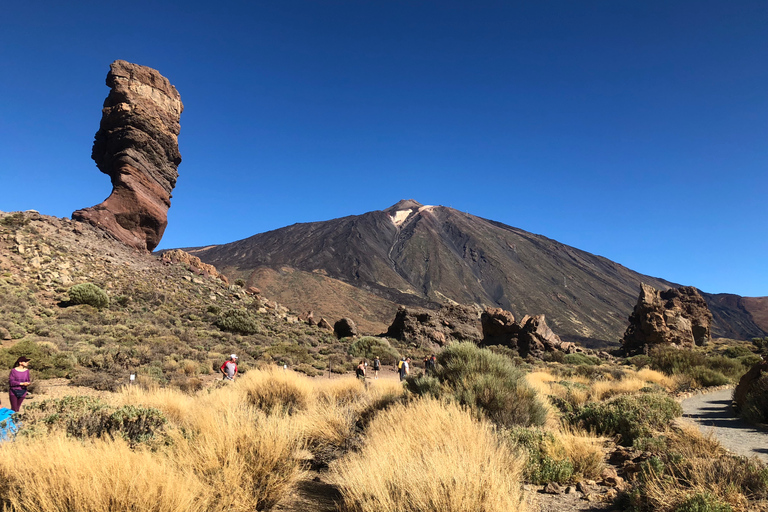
(137, 147)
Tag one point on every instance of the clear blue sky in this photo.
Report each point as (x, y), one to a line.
(636, 130)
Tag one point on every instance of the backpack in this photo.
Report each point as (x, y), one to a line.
(400, 365)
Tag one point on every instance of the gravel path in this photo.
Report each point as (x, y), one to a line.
(713, 411)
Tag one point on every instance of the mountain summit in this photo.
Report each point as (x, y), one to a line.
(421, 255)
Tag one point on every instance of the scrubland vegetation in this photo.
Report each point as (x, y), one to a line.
(464, 438)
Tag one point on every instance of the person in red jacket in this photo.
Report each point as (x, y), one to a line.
(229, 368)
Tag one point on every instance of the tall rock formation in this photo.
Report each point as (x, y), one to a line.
(678, 316)
(137, 147)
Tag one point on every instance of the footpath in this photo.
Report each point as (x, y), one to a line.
(714, 412)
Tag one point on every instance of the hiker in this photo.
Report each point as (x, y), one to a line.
(18, 381)
(432, 364)
(404, 368)
(360, 371)
(229, 368)
(376, 367)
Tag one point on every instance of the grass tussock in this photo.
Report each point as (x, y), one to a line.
(695, 473)
(430, 456)
(65, 474)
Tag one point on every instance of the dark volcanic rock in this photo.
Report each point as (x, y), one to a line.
(532, 336)
(673, 317)
(430, 328)
(137, 147)
(345, 328)
(747, 383)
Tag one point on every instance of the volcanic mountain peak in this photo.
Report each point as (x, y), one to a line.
(404, 209)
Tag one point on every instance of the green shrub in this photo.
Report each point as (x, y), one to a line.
(703, 502)
(88, 293)
(488, 383)
(541, 467)
(707, 377)
(731, 368)
(581, 359)
(83, 417)
(629, 416)
(45, 361)
(239, 321)
(640, 361)
(737, 351)
(423, 385)
(671, 360)
(369, 347)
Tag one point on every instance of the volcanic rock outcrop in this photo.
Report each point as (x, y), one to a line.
(755, 379)
(137, 147)
(532, 336)
(193, 263)
(430, 328)
(345, 328)
(678, 316)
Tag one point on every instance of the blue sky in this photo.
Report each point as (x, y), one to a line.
(636, 130)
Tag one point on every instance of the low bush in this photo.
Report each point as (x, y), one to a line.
(737, 351)
(629, 416)
(486, 382)
(239, 321)
(369, 347)
(577, 359)
(88, 293)
(85, 417)
(707, 377)
(703, 502)
(671, 360)
(546, 461)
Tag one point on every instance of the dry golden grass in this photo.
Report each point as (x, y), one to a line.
(430, 456)
(584, 450)
(61, 474)
(701, 466)
(578, 390)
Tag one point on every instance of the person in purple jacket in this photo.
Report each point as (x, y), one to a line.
(18, 381)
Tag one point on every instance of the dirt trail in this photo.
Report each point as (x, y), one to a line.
(713, 412)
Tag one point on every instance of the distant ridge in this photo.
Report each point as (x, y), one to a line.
(421, 255)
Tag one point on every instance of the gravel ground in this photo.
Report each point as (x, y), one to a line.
(713, 412)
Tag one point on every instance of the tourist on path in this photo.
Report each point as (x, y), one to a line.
(360, 371)
(376, 367)
(229, 368)
(18, 381)
(404, 368)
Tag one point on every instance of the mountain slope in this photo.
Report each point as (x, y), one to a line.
(427, 255)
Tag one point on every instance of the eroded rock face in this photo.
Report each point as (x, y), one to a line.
(673, 317)
(431, 329)
(137, 147)
(531, 336)
(748, 382)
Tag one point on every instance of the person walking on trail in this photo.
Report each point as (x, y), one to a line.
(376, 367)
(431, 365)
(360, 371)
(18, 381)
(404, 368)
(229, 368)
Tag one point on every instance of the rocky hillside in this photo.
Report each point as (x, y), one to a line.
(419, 255)
(167, 322)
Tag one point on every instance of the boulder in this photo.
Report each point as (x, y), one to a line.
(531, 336)
(747, 383)
(678, 317)
(308, 318)
(345, 328)
(434, 328)
(137, 147)
(324, 324)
